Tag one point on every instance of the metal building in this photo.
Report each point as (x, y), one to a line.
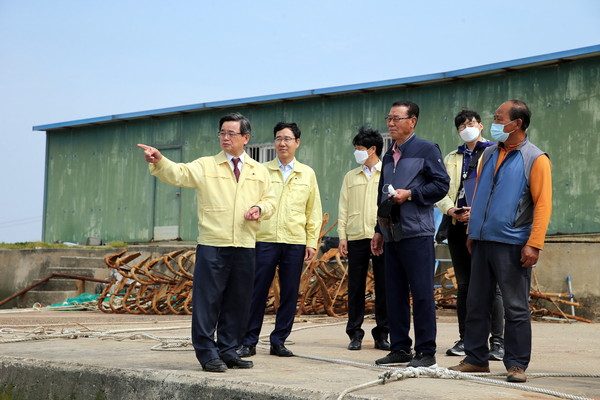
(97, 183)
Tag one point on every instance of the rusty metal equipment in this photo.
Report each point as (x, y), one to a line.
(159, 286)
(539, 310)
(164, 286)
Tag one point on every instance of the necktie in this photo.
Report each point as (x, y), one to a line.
(236, 170)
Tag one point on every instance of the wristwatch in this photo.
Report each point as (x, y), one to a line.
(409, 195)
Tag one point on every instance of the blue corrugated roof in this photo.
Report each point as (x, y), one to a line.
(415, 80)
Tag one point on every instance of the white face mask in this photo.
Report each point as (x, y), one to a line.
(361, 156)
(469, 134)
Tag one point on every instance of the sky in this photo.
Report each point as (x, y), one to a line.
(65, 60)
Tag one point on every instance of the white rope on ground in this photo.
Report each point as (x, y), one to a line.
(262, 338)
(178, 321)
(157, 328)
(186, 344)
(444, 373)
(83, 306)
(20, 310)
(68, 335)
(43, 333)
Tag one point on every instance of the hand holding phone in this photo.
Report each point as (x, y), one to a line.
(460, 211)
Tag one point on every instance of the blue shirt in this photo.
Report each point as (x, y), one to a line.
(286, 170)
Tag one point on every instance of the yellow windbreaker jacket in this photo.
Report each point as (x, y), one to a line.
(453, 162)
(357, 208)
(222, 201)
(299, 215)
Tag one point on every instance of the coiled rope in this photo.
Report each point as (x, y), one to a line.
(444, 373)
(394, 373)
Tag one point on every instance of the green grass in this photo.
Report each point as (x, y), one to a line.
(32, 245)
(37, 245)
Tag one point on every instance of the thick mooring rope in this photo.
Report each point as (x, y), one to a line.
(444, 373)
(395, 373)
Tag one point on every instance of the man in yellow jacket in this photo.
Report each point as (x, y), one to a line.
(234, 194)
(284, 241)
(357, 216)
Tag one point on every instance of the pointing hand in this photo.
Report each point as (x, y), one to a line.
(152, 155)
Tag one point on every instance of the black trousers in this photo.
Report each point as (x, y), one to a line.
(409, 266)
(498, 264)
(288, 260)
(359, 254)
(461, 261)
(222, 292)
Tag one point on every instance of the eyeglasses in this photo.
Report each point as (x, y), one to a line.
(288, 140)
(469, 124)
(228, 134)
(394, 118)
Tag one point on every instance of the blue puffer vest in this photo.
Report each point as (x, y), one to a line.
(502, 209)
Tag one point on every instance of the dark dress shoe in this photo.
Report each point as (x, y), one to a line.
(246, 351)
(239, 363)
(215, 365)
(382, 344)
(355, 344)
(280, 351)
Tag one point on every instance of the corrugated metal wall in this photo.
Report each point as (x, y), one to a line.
(98, 183)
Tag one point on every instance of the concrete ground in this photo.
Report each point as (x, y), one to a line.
(124, 366)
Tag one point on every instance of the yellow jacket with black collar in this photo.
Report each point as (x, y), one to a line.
(222, 201)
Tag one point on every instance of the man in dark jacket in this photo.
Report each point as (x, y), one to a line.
(413, 179)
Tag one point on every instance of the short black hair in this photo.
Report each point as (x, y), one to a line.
(245, 128)
(519, 110)
(412, 108)
(290, 125)
(466, 115)
(368, 138)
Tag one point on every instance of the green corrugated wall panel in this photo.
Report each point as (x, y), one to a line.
(99, 185)
(94, 187)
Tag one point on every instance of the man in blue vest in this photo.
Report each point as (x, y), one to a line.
(509, 217)
(413, 179)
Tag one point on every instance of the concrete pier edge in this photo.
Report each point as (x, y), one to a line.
(24, 378)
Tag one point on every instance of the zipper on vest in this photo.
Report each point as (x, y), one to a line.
(487, 206)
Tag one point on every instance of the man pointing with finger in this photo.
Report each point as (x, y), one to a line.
(234, 194)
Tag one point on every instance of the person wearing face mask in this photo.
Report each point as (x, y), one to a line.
(509, 217)
(357, 216)
(461, 166)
